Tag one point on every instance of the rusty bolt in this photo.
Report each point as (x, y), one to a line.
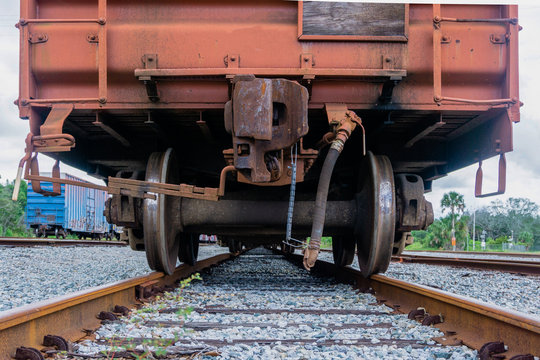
(388, 59)
(22, 22)
(102, 100)
(56, 341)
(437, 98)
(106, 315)
(490, 348)
(306, 59)
(40, 37)
(119, 309)
(233, 58)
(444, 38)
(497, 38)
(522, 357)
(437, 19)
(101, 21)
(24, 353)
(432, 320)
(418, 312)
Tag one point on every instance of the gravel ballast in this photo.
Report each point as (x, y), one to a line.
(511, 291)
(260, 306)
(472, 256)
(30, 274)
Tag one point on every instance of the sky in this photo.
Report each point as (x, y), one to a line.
(523, 164)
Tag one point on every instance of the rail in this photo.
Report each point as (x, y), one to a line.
(466, 320)
(7, 241)
(502, 254)
(519, 266)
(68, 315)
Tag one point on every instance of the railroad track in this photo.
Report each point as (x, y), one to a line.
(15, 241)
(260, 298)
(531, 267)
(501, 254)
(516, 266)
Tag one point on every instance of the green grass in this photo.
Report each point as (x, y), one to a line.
(326, 243)
(418, 246)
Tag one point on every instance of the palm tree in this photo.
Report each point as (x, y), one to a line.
(456, 204)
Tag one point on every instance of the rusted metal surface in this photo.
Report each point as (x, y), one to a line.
(501, 184)
(87, 59)
(524, 267)
(58, 342)
(24, 353)
(55, 242)
(414, 212)
(126, 187)
(265, 117)
(468, 321)
(68, 315)
(235, 217)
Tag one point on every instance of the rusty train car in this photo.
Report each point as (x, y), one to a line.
(267, 122)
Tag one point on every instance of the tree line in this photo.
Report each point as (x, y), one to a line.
(496, 223)
(12, 213)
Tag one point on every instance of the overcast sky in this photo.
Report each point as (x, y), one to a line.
(523, 164)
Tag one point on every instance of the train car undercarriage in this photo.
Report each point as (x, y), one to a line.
(272, 123)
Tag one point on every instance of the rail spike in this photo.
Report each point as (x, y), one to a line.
(24, 353)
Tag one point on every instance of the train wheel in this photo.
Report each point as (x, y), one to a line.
(343, 248)
(136, 239)
(188, 250)
(375, 226)
(399, 243)
(159, 215)
(235, 246)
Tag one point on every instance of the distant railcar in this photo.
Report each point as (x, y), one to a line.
(77, 210)
(229, 117)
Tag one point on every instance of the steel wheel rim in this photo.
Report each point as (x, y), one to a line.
(188, 249)
(159, 215)
(343, 250)
(375, 227)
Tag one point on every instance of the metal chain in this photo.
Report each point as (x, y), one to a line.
(289, 240)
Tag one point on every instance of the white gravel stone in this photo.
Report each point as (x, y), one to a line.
(273, 283)
(511, 291)
(30, 274)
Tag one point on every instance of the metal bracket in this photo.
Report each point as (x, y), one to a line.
(499, 39)
(150, 63)
(502, 179)
(36, 184)
(92, 38)
(387, 62)
(109, 130)
(306, 61)
(232, 61)
(37, 38)
(51, 138)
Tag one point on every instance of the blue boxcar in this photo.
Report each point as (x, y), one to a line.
(76, 210)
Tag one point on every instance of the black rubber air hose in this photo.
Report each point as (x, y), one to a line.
(319, 213)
